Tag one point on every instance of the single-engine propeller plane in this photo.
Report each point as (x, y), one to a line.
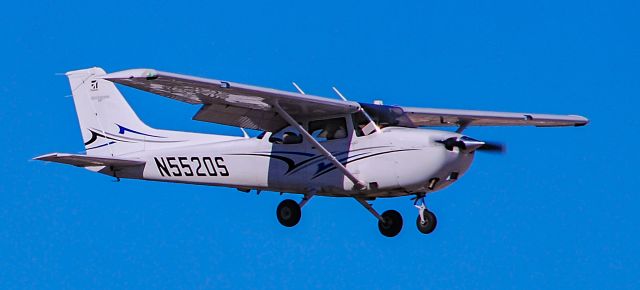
(310, 145)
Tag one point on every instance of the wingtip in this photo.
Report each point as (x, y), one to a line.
(580, 121)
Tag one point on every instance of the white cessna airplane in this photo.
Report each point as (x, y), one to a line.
(310, 145)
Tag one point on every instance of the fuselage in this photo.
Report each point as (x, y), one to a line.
(396, 161)
(310, 145)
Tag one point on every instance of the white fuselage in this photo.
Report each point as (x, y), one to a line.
(394, 162)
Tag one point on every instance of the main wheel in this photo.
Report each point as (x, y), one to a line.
(288, 213)
(392, 223)
(429, 223)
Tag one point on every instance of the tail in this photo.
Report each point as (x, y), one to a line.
(109, 125)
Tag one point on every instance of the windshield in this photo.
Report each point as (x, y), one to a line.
(386, 116)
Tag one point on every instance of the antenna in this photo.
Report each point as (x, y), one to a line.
(298, 88)
(339, 93)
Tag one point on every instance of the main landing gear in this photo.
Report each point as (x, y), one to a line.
(389, 222)
(289, 212)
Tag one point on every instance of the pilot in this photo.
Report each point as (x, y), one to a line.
(335, 131)
(291, 138)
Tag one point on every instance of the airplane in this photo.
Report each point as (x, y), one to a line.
(309, 145)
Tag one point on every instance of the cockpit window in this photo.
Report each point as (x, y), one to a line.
(329, 129)
(386, 116)
(361, 124)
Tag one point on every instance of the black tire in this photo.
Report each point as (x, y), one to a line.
(288, 213)
(392, 223)
(430, 222)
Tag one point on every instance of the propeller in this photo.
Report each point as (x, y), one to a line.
(466, 143)
(449, 143)
(493, 147)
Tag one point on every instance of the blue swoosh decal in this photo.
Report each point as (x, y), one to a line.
(124, 129)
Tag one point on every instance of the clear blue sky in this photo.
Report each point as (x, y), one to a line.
(560, 210)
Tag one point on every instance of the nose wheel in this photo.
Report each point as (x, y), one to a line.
(426, 221)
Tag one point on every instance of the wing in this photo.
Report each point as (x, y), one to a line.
(447, 117)
(88, 161)
(232, 103)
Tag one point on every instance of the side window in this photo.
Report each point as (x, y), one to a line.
(330, 129)
(362, 125)
(288, 135)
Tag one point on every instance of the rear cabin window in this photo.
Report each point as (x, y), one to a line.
(288, 135)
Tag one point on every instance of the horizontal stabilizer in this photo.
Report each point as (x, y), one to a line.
(88, 161)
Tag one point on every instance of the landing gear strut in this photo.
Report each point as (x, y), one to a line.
(426, 221)
(389, 223)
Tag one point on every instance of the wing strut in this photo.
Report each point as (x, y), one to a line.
(358, 183)
(463, 125)
(369, 207)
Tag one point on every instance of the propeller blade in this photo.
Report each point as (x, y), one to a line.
(492, 147)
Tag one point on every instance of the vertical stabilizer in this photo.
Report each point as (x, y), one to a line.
(109, 125)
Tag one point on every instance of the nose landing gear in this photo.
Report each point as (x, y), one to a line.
(426, 221)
